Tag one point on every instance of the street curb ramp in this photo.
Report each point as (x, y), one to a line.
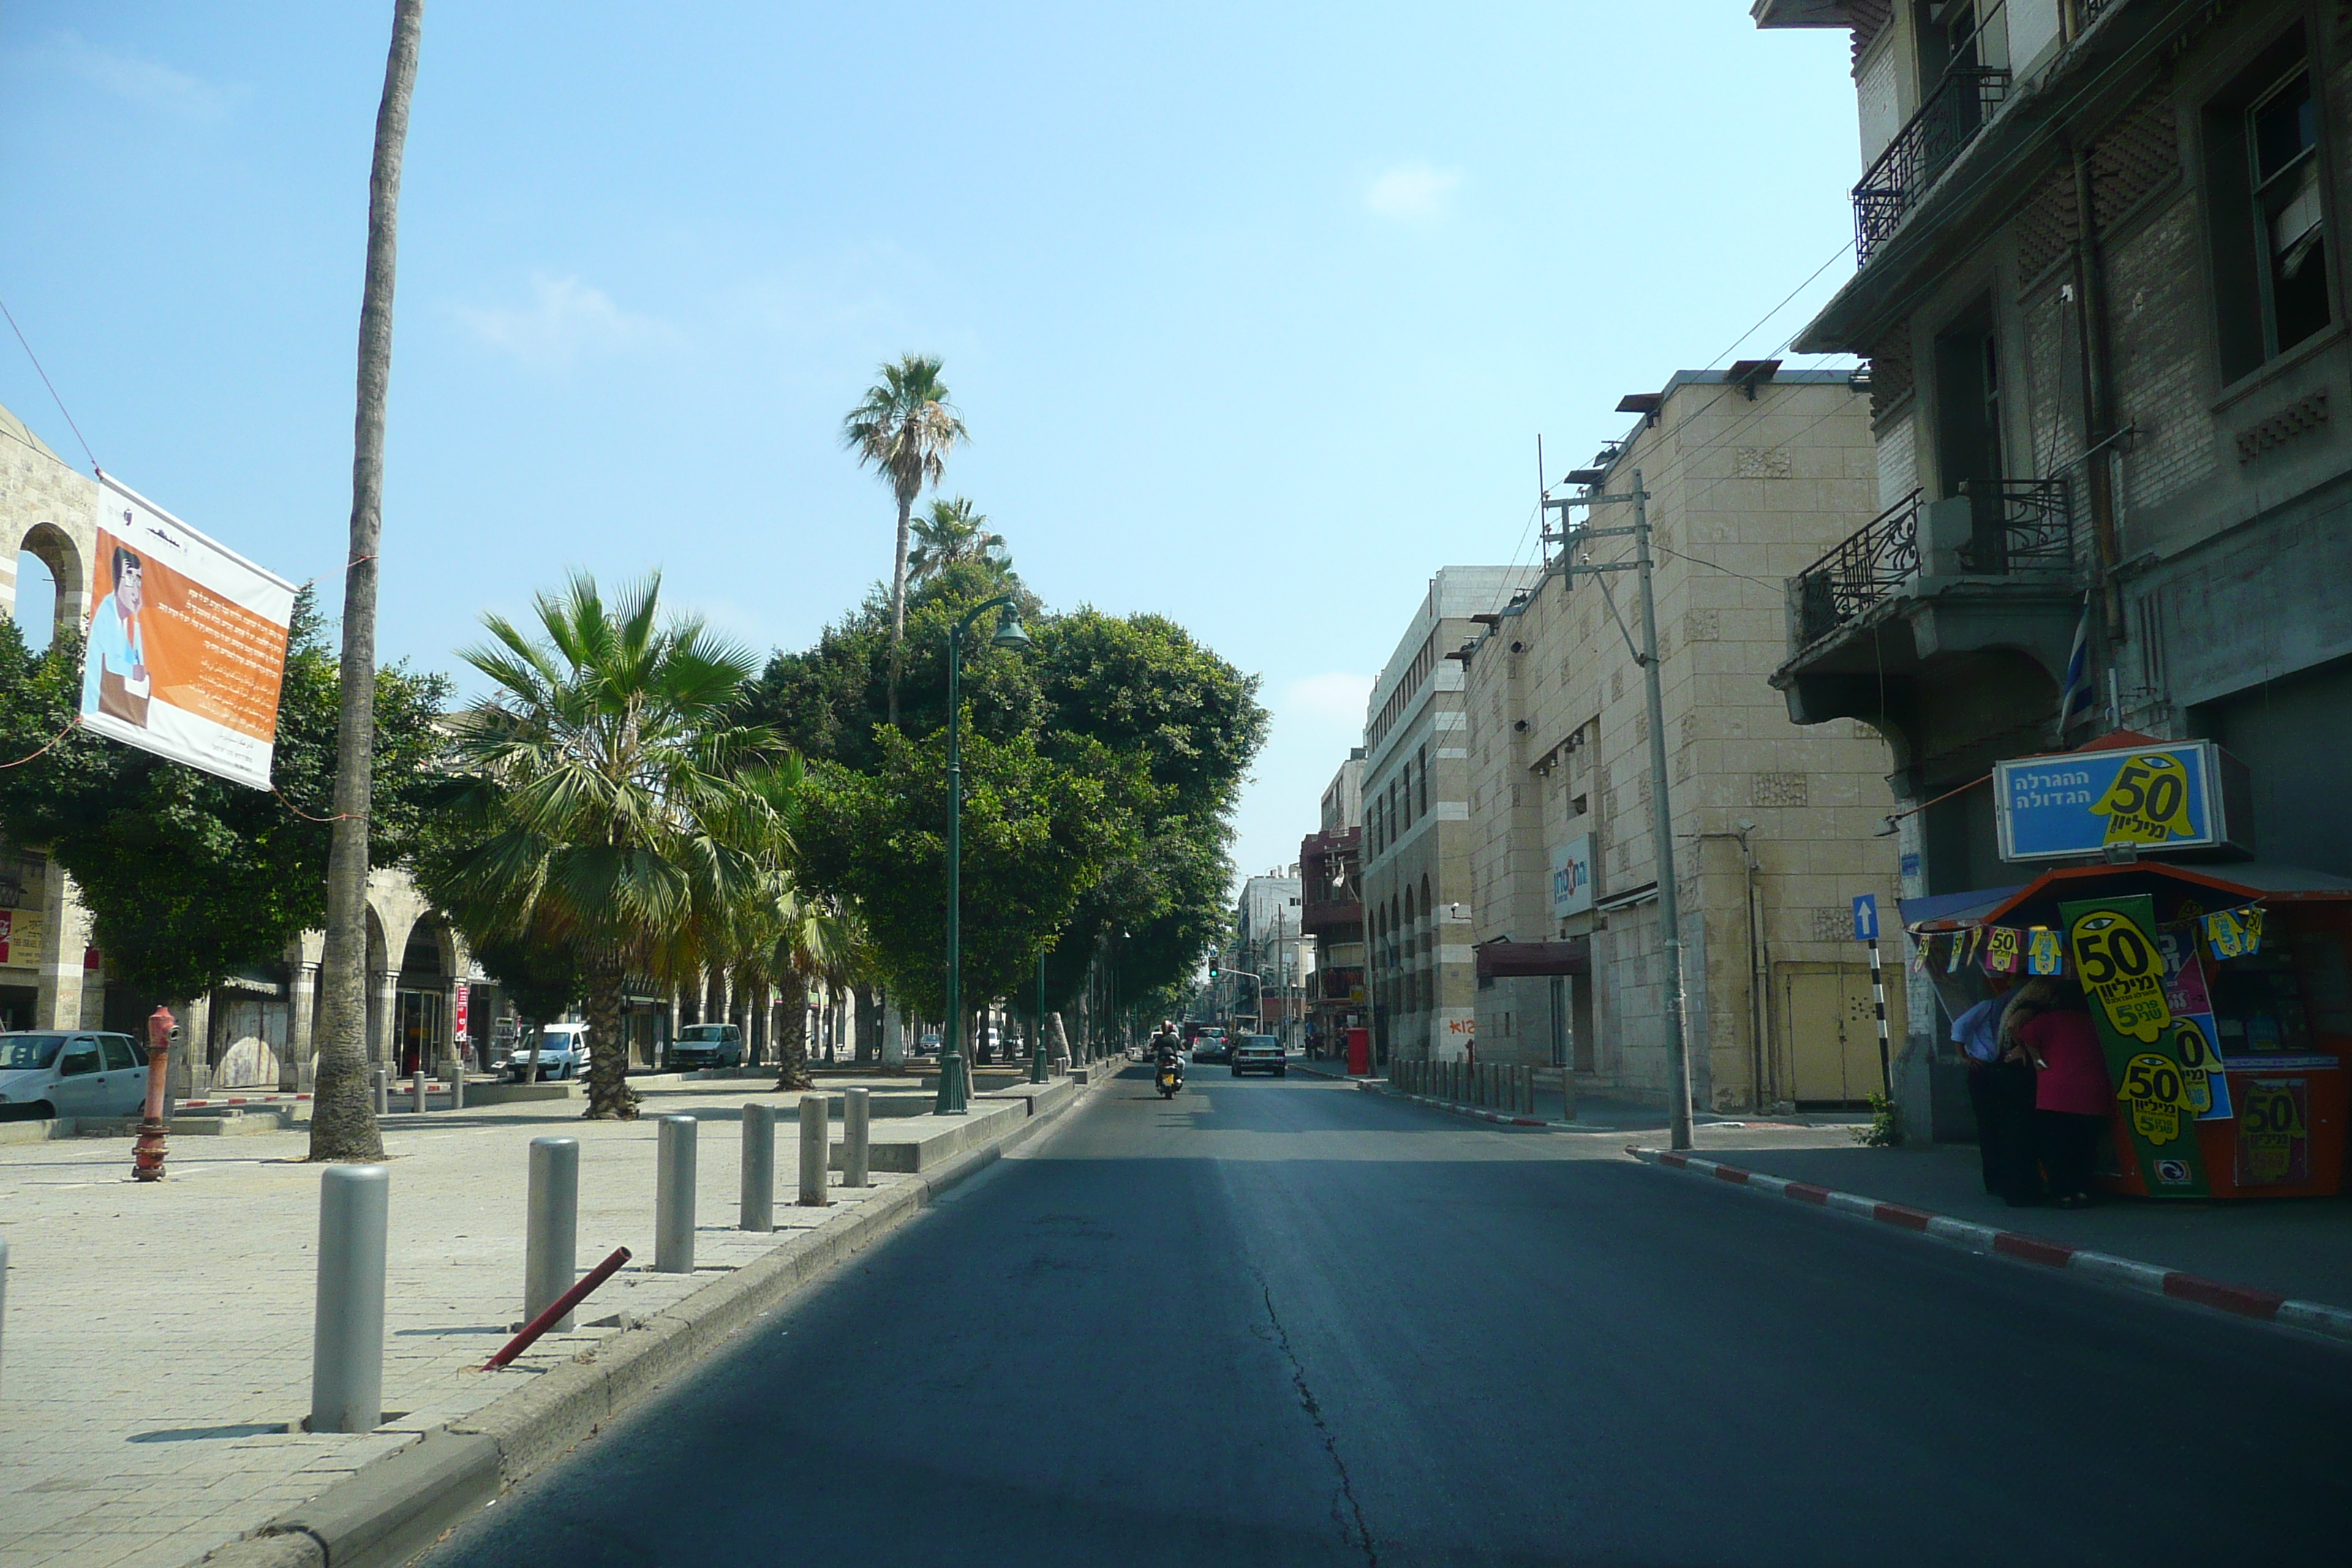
(396, 1507)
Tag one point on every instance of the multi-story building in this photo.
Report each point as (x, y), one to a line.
(1748, 475)
(1273, 961)
(1331, 908)
(2104, 313)
(1416, 875)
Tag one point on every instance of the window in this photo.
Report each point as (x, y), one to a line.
(1423, 752)
(1406, 777)
(82, 1056)
(118, 1053)
(2268, 211)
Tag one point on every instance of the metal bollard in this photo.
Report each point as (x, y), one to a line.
(383, 1092)
(551, 1248)
(756, 1205)
(347, 1333)
(457, 1086)
(856, 1146)
(417, 1086)
(673, 1196)
(816, 1136)
(3, 1299)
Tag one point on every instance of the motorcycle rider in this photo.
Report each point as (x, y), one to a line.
(1167, 1053)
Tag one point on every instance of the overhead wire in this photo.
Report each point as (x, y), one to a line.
(52, 386)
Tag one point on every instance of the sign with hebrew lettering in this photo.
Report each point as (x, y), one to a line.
(2082, 804)
(186, 643)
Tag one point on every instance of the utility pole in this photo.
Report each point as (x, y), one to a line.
(1661, 816)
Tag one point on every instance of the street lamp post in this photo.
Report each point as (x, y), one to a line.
(1009, 635)
(1037, 1073)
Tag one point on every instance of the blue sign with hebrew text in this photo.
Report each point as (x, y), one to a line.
(2087, 804)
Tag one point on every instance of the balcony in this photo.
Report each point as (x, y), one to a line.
(1960, 106)
(2005, 528)
(1968, 586)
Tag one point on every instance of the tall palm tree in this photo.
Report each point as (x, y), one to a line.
(954, 533)
(810, 939)
(904, 429)
(342, 1120)
(613, 799)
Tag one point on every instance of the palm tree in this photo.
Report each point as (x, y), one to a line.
(952, 534)
(615, 802)
(342, 1120)
(904, 429)
(808, 938)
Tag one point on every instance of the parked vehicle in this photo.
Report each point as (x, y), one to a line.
(562, 1053)
(45, 1073)
(1260, 1053)
(987, 1043)
(700, 1045)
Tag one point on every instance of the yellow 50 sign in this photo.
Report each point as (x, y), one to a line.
(2118, 965)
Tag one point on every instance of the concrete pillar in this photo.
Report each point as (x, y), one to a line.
(294, 1074)
(552, 1228)
(383, 1011)
(673, 1196)
(65, 936)
(894, 1034)
(347, 1333)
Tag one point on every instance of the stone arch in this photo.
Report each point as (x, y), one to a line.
(57, 551)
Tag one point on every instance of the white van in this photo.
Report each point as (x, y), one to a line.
(562, 1053)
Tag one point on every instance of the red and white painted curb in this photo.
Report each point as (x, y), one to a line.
(240, 1100)
(2264, 1306)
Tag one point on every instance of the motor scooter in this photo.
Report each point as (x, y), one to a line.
(1171, 1076)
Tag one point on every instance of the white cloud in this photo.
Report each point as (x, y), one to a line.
(566, 318)
(148, 83)
(1412, 193)
(1337, 698)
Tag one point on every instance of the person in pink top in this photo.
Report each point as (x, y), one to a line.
(2070, 1092)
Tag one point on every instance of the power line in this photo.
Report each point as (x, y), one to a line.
(51, 386)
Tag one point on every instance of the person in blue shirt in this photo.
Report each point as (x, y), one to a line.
(2000, 1092)
(117, 645)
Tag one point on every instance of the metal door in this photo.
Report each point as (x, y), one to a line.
(1829, 1032)
(79, 1088)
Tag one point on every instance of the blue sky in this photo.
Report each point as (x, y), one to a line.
(1254, 311)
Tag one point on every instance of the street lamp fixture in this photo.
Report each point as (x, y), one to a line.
(1011, 636)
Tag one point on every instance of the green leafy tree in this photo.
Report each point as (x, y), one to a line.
(1035, 832)
(613, 801)
(1160, 724)
(538, 974)
(190, 877)
(903, 428)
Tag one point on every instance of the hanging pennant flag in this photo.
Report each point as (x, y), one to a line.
(2249, 920)
(2224, 935)
(2042, 951)
(2000, 951)
(1952, 959)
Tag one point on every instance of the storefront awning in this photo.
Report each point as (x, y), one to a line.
(1514, 960)
(2239, 882)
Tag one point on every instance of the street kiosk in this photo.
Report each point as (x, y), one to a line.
(2222, 990)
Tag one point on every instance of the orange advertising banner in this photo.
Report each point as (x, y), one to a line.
(186, 642)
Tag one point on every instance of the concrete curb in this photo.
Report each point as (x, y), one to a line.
(2237, 1301)
(1477, 1112)
(398, 1506)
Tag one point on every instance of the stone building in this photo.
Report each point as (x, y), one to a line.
(1416, 872)
(1331, 908)
(2104, 313)
(1749, 473)
(1269, 943)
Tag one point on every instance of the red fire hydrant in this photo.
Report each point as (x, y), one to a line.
(147, 1156)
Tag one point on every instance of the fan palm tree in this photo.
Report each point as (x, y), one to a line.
(954, 533)
(904, 429)
(612, 801)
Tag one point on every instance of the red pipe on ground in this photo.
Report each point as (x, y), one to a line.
(557, 1309)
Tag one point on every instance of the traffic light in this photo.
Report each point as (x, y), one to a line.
(1212, 971)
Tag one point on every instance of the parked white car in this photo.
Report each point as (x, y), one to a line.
(45, 1073)
(562, 1053)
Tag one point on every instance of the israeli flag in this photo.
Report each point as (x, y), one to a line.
(2080, 699)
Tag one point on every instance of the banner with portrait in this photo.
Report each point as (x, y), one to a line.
(186, 642)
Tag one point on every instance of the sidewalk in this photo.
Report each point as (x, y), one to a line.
(1598, 1113)
(2296, 1247)
(158, 1338)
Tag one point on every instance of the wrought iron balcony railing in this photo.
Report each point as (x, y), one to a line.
(1958, 107)
(1995, 528)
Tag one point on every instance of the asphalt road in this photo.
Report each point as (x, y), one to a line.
(1286, 1322)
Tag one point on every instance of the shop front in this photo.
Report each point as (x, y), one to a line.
(2221, 990)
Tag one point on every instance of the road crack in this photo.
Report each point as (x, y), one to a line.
(1347, 1512)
